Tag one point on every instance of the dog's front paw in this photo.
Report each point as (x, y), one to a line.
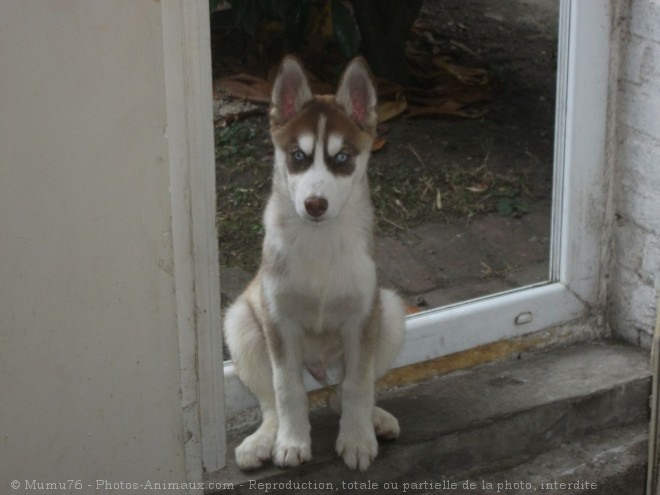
(256, 449)
(358, 449)
(291, 452)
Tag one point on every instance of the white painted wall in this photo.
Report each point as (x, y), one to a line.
(90, 376)
(635, 269)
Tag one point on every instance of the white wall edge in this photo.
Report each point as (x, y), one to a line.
(186, 45)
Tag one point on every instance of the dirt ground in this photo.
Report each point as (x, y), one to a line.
(477, 181)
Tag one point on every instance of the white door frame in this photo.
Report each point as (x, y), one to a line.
(578, 219)
(188, 87)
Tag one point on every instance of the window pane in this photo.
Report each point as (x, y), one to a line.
(461, 180)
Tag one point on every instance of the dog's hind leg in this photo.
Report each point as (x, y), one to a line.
(393, 316)
(385, 424)
(389, 344)
(248, 348)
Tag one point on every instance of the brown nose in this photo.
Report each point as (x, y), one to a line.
(316, 206)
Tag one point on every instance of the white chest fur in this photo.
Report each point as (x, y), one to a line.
(326, 277)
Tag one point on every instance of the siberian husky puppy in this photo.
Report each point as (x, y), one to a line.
(315, 300)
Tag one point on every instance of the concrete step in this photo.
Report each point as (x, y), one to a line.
(606, 462)
(473, 422)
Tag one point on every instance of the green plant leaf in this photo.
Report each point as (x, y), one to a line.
(505, 207)
(295, 24)
(522, 208)
(345, 30)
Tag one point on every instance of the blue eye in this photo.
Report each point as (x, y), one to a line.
(298, 155)
(341, 157)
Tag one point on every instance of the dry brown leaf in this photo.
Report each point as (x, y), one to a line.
(465, 94)
(235, 117)
(467, 75)
(378, 144)
(247, 78)
(245, 87)
(387, 110)
(388, 90)
(449, 107)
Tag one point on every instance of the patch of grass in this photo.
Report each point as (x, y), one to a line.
(404, 199)
(234, 142)
(243, 171)
(473, 190)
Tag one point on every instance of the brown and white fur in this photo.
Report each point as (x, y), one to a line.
(315, 299)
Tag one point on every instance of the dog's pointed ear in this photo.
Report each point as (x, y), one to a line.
(356, 93)
(290, 91)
